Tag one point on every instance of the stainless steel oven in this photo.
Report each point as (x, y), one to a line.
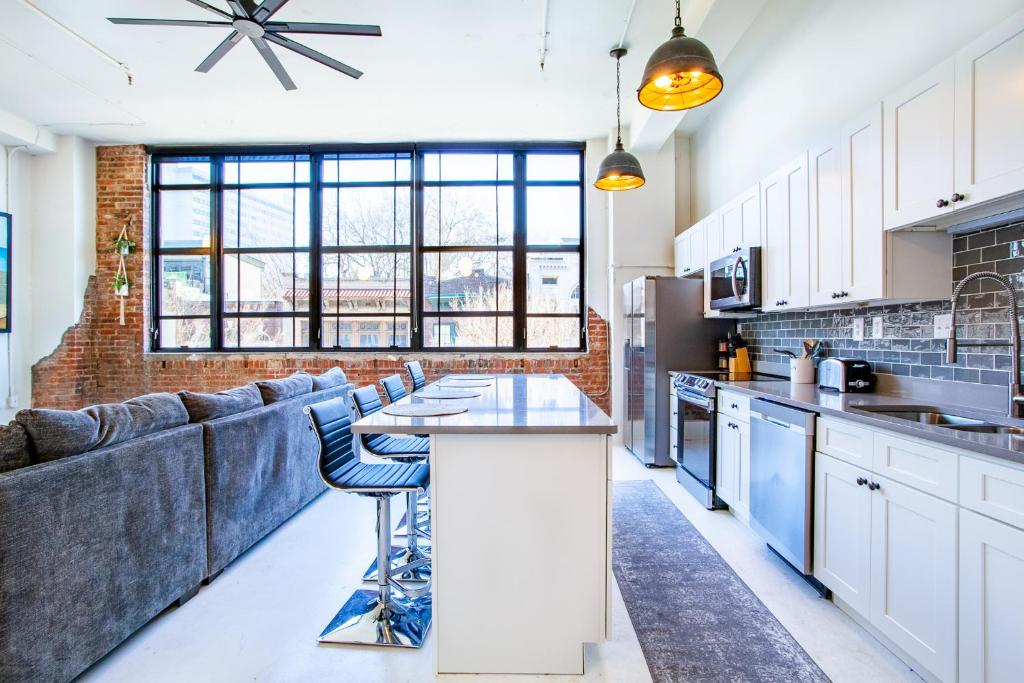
(735, 280)
(695, 467)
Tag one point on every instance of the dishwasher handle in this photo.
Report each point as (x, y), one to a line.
(784, 416)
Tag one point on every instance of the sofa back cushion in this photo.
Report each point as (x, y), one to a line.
(274, 390)
(203, 407)
(334, 377)
(55, 434)
(13, 448)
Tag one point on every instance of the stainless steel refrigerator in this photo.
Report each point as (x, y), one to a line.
(665, 330)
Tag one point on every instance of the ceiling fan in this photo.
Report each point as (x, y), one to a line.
(251, 19)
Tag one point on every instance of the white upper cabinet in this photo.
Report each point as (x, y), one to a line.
(714, 244)
(919, 178)
(826, 224)
(785, 237)
(681, 252)
(863, 239)
(741, 222)
(690, 255)
(990, 114)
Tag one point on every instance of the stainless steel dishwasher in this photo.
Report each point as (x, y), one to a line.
(782, 479)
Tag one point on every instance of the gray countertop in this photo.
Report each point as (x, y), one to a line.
(511, 404)
(810, 397)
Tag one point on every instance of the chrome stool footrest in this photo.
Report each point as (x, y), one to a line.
(402, 565)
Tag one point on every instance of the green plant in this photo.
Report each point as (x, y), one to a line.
(120, 282)
(123, 245)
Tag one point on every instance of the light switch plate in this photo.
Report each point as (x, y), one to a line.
(858, 329)
(876, 327)
(941, 324)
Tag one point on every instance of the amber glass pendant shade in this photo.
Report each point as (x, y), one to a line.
(620, 170)
(681, 74)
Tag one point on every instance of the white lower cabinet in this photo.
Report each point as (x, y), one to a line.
(913, 574)
(991, 600)
(732, 469)
(842, 530)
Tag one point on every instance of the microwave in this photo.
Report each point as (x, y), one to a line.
(735, 280)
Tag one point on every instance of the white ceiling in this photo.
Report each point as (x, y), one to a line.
(443, 70)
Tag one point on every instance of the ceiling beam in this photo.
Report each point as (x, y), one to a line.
(16, 132)
(719, 24)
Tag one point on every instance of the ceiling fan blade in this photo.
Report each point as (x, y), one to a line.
(267, 9)
(218, 53)
(167, 22)
(313, 54)
(206, 6)
(327, 29)
(274, 63)
(239, 9)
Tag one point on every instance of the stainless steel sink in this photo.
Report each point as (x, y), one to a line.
(925, 415)
(986, 428)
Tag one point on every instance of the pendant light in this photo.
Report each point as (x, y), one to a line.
(620, 170)
(681, 73)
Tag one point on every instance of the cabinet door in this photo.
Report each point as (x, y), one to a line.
(919, 145)
(863, 238)
(785, 237)
(698, 251)
(741, 221)
(681, 251)
(991, 602)
(826, 223)
(727, 454)
(741, 504)
(990, 114)
(714, 242)
(913, 574)
(842, 531)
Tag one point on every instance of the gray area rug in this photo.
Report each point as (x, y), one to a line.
(695, 618)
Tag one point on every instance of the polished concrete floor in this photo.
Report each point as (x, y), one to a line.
(259, 620)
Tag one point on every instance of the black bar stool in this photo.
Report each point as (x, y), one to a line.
(382, 616)
(419, 380)
(407, 450)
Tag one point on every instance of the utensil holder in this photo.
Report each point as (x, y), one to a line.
(801, 370)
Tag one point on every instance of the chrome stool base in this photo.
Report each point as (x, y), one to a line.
(366, 620)
(401, 555)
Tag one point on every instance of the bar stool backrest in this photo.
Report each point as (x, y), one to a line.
(393, 387)
(332, 423)
(419, 380)
(367, 400)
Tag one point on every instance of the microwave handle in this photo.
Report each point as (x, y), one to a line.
(737, 264)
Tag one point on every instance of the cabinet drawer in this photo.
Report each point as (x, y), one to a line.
(919, 464)
(734, 404)
(848, 442)
(992, 489)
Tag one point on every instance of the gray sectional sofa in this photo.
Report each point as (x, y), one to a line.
(111, 514)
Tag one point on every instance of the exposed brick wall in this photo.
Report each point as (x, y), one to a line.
(100, 361)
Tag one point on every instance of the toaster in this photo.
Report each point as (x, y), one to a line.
(845, 374)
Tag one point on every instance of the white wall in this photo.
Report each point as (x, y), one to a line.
(807, 66)
(597, 230)
(16, 347)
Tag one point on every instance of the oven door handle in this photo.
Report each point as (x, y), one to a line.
(702, 402)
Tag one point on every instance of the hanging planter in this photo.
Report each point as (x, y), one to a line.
(123, 246)
(121, 284)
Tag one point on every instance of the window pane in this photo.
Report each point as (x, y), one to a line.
(383, 332)
(468, 216)
(367, 168)
(185, 285)
(266, 282)
(552, 167)
(184, 217)
(184, 172)
(366, 283)
(266, 169)
(275, 217)
(265, 332)
(467, 281)
(553, 215)
(193, 333)
(467, 166)
(479, 331)
(545, 333)
(552, 282)
(368, 216)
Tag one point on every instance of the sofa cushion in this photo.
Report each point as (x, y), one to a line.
(203, 407)
(274, 390)
(334, 377)
(13, 448)
(55, 434)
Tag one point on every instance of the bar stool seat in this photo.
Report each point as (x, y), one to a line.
(394, 614)
(386, 445)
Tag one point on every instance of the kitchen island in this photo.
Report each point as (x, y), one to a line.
(521, 523)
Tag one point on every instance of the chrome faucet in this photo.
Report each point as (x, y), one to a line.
(1016, 399)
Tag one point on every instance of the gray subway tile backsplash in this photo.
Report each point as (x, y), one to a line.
(907, 346)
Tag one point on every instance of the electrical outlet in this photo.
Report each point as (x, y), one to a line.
(876, 327)
(12, 401)
(941, 324)
(858, 329)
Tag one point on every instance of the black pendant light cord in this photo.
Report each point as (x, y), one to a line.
(679, 20)
(618, 100)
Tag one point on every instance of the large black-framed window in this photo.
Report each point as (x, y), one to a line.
(369, 248)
